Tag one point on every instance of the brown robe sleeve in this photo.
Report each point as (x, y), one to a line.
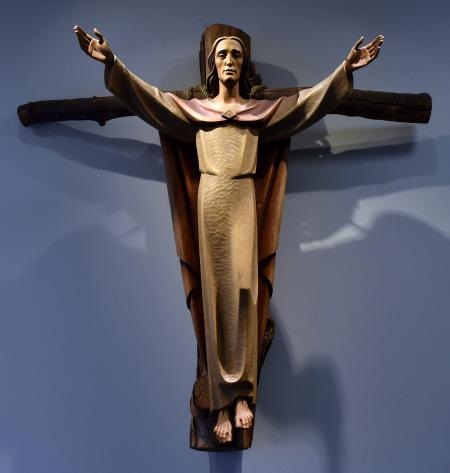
(298, 111)
(148, 102)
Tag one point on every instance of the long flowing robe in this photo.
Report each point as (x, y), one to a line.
(227, 143)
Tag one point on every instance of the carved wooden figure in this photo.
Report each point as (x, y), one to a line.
(226, 162)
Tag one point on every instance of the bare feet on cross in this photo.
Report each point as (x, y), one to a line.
(223, 427)
(243, 419)
(244, 415)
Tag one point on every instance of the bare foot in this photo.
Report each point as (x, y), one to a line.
(223, 427)
(244, 415)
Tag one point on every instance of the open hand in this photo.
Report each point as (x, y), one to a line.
(98, 48)
(362, 56)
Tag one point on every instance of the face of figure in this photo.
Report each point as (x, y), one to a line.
(228, 59)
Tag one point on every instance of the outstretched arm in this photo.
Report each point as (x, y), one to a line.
(146, 101)
(361, 57)
(297, 112)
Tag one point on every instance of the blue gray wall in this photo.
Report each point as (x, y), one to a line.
(97, 353)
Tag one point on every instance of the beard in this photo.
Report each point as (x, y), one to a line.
(230, 82)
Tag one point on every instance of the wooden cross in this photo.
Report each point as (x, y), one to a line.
(182, 180)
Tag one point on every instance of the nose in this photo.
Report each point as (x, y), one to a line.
(229, 60)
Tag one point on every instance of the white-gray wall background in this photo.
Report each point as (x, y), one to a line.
(97, 352)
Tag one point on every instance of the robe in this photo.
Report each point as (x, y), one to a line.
(227, 142)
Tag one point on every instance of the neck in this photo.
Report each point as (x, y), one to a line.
(229, 94)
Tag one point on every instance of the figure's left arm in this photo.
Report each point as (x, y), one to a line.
(299, 111)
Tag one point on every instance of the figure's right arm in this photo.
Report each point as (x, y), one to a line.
(146, 101)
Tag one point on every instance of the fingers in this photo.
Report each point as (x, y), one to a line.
(83, 38)
(99, 36)
(374, 46)
(379, 39)
(81, 34)
(377, 51)
(376, 43)
(87, 42)
(84, 43)
(91, 46)
(358, 43)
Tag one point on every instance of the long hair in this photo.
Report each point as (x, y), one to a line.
(212, 80)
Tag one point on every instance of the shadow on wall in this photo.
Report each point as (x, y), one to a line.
(308, 395)
(384, 318)
(385, 178)
(83, 388)
(381, 161)
(125, 156)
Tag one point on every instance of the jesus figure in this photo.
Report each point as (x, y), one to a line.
(227, 128)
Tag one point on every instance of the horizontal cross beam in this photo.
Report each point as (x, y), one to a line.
(408, 108)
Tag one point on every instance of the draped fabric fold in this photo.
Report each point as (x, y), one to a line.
(183, 177)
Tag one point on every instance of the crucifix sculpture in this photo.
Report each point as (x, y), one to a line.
(225, 148)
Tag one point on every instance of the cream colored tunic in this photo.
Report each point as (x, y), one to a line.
(227, 227)
(228, 260)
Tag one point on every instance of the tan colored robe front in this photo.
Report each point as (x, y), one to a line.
(227, 149)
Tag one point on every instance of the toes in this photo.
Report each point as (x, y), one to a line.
(244, 422)
(224, 437)
(223, 432)
(240, 422)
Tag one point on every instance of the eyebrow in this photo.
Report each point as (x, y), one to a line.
(224, 50)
